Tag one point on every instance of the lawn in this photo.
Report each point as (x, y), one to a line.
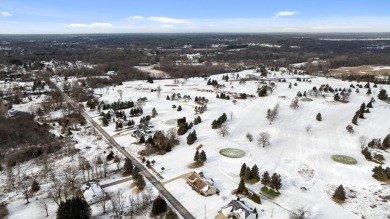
(232, 152)
(344, 159)
(270, 193)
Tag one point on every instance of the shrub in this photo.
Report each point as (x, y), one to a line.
(256, 198)
(159, 206)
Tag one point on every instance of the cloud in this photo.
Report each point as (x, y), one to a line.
(89, 25)
(5, 14)
(286, 13)
(168, 20)
(136, 18)
(100, 25)
(167, 25)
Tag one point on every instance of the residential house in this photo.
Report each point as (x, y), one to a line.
(237, 209)
(92, 192)
(201, 185)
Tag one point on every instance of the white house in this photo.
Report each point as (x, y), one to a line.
(239, 210)
(92, 192)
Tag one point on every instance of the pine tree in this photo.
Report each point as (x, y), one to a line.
(339, 193)
(242, 171)
(159, 206)
(354, 119)
(255, 173)
(202, 156)
(290, 86)
(382, 95)
(75, 208)
(128, 166)
(241, 187)
(248, 175)
(386, 142)
(369, 105)
(141, 182)
(266, 179)
(105, 121)
(369, 91)
(276, 182)
(35, 186)
(319, 117)
(179, 108)
(191, 138)
(135, 174)
(196, 156)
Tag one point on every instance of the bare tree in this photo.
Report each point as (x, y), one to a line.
(272, 113)
(25, 182)
(71, 175)
(43, 203)
(120, 92)
(118, 202)
(158, 91)
(231, 115)
(224, 130)
(300, 213)
(9, 170)
(103, 202)
(362, 141)
(294, 103)
(308, 128)
(263, 138)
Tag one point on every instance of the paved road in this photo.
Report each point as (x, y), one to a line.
(156, 183)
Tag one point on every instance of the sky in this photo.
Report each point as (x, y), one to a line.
(180, 16)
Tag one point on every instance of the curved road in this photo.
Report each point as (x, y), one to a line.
(156, 183)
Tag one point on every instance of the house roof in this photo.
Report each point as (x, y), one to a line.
(92, 192)
(239, 208)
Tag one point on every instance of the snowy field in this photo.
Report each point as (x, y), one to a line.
(291, 146)
(302, 158)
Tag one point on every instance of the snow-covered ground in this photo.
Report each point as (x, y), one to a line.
(291, 151)
(291, 146)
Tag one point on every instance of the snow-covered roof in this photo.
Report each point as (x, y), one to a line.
(92, 192)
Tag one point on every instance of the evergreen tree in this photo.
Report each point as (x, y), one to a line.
(386, 142)
(290, 86)
(35, 186)
(105, 121)
(202, 156)
(369, 105)
(190, 138)
(141, 182)
(75, 208)
(171, 215)
(276, 182)
(196, 156)
(128, 166)
(319, 117)
(255, 173)
(159, 206)
(354, 119)
(179, 108)
(382, 95)
(339, 193)
(242, 171)
(248, 175)
(368, 91)
(367, 153)
(304, 94)
(266, 179)
(241, 186)
(135, 174)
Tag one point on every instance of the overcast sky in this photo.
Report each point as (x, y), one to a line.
(154, 16)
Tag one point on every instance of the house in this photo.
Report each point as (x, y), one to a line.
(237, 209)
(138, 134)
(144, 128)
(12, 112)
(201, 185)
(92, 192)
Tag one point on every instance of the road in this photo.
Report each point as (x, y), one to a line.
(155, 182)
